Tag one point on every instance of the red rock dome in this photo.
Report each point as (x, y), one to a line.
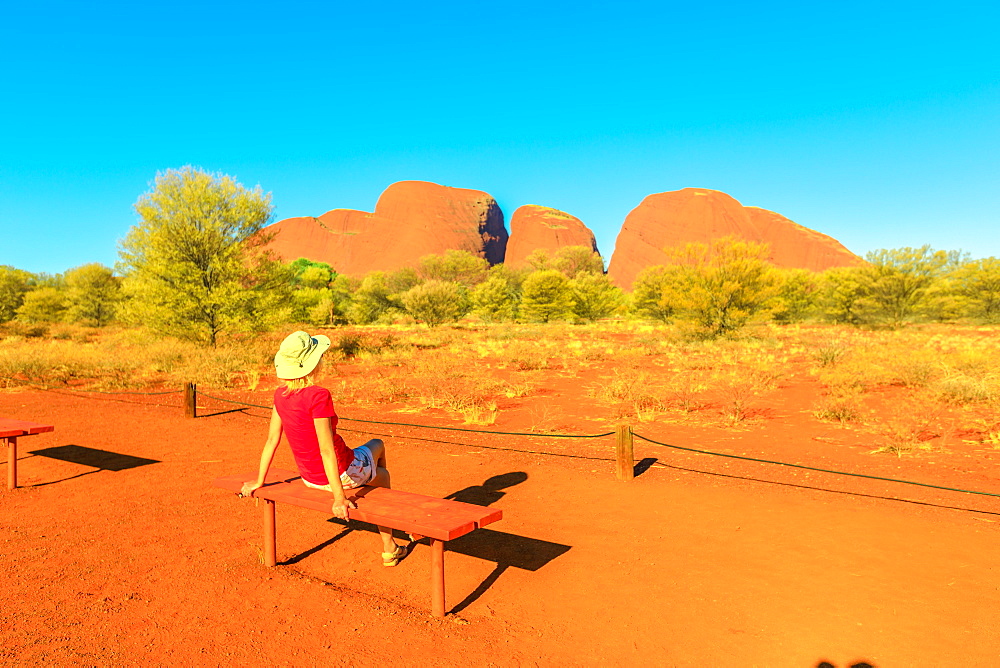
(533, 227)
(411, 219)
(671, 219)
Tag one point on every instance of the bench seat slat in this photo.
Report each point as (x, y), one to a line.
(23, 427)
(412, 513)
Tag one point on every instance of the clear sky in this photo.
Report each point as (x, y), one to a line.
(875, 123)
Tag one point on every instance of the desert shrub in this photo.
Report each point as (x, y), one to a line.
(797, 295)
(434, 302)
(652, 293)
(526, 356)
(43, 305)
(841, 408)
(978, 282)
(721, 288)
(454, 266)
(374, 301)
(14, 284)
(93, 294)
(546, 295)
(594, 296)
(496, 299)
(740, 387)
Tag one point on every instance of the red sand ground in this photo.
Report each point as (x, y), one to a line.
(701, 561)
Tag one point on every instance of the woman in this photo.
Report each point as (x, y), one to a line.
(304, 412)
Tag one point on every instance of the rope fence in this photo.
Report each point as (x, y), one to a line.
(625, 460)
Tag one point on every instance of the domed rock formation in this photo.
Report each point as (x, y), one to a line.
(533, 227)
(411, 219)
(672, 219)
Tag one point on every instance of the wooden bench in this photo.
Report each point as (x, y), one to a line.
(10, 431)
(439, 520)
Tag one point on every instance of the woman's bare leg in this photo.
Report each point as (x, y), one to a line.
(382, 479)
(377, 448)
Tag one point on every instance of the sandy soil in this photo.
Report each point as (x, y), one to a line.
(117, 550)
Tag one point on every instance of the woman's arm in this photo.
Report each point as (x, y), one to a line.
(324, 433)
(266, 456)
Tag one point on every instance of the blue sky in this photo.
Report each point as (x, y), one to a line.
(876, 124)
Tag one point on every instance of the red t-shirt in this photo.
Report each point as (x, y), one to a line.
(297, 411)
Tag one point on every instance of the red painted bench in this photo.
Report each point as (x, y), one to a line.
(440, 520)
(10, 431)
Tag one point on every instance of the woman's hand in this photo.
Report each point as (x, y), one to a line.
(249, 488)
(340, 508)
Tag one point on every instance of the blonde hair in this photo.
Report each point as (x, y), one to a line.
(297, 384)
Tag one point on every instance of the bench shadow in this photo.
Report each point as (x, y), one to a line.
(507, 550)
(99, 459)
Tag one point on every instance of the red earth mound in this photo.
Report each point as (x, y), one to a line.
(411, 219)
(670, 219)
(535, 227)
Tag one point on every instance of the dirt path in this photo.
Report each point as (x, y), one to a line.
(698, 562)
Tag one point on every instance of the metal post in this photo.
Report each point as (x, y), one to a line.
(437, 577)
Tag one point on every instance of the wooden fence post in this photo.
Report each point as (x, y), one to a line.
(626, 460)
(190, 400)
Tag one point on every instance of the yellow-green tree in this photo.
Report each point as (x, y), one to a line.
(44, 304)
(896, 281)
(456, 266)
(594, 296)
(195, 265)
(720, 288)
(978, 282)
(14, 284)
(546, 295)
(498, 297)
(653, 294)
(93, 294)
(434, 302)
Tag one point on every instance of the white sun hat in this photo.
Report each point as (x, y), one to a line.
(299, 354)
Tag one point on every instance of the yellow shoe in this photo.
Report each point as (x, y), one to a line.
(390, 559)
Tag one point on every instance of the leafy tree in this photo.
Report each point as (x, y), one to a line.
(93, 294)
(434, 302)
(575, 261)
(14, 284)
(653, 293)
(896, 281)
(546, 295)
(978, 282)
(797, 295)
(842, 294)
(45, 304)
(496, 299)
(402, 280)
(570, 260)
(723, 287)
(373, 300)
(594, 296)
(457, 266)
(195, 266)
(309, 274)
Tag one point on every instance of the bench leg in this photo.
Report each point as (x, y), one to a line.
(270, 539)
(11, 462)
(437, 577)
